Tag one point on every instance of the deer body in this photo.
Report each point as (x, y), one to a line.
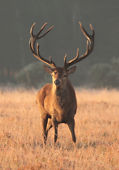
(57, 101)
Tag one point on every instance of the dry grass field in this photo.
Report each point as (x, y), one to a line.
(97, 131)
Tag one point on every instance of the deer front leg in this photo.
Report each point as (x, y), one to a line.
(71, 125)
(55, 126)
(44, 120)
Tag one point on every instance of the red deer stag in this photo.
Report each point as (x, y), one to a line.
(57, 101)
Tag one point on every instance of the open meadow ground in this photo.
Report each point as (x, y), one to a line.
(97, 131)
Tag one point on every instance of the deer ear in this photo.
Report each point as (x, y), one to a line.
(48, 69)
(71, 70)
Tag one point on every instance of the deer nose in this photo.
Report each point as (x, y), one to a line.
(57, 82)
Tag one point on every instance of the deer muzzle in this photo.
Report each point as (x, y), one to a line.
(57, 82)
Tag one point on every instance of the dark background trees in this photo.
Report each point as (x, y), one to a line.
(17, 16)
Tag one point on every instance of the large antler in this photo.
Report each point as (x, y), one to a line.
(89, 47)
(35, 47)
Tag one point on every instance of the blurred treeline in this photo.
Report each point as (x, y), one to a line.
(18, 66)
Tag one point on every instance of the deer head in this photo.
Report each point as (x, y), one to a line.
(60, 74)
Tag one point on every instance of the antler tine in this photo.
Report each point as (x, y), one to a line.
(77, 55)
(65, 59)
(49, 29)
(31, 30)
(39, 57)
(92, 29)
(89, 46)
(72, 60)
(84, 31)
(42, 28)
(44, 60)
(35, 47)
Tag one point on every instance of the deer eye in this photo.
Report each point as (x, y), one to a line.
(55, 72)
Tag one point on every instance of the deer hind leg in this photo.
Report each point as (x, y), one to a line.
(49, 125)
(71, 125)
(44, 119)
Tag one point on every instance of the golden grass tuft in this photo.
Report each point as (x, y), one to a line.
(97, 131)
